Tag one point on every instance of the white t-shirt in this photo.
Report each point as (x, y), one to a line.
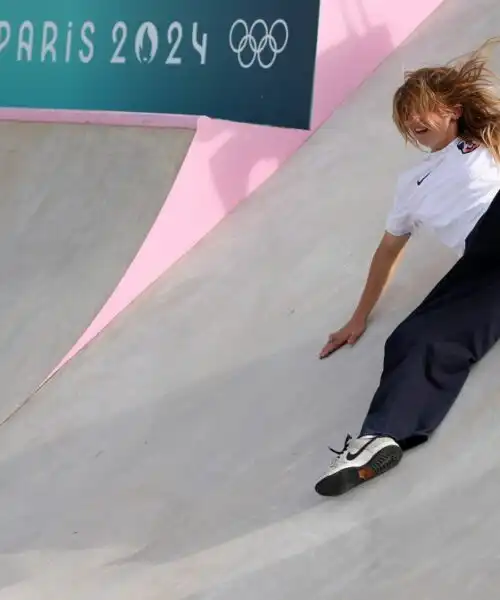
(447, 193)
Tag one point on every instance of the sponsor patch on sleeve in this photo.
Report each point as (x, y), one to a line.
(467, 147)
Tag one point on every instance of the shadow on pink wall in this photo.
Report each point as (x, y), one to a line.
(229, 161)
(242, 157)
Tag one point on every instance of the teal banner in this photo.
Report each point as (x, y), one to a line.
(243, 60)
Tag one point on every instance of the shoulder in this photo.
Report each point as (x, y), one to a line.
(476, 160)
(473, 155)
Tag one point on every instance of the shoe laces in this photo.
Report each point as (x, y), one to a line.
(344, 449)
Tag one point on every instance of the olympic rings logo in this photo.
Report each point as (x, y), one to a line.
(254, 40)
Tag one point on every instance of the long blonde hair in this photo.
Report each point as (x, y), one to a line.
(465, 82)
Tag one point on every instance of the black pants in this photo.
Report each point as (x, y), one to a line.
(429, 355)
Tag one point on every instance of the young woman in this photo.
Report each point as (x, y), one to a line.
(454, 112)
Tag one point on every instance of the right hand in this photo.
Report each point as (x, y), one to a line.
(349, 334)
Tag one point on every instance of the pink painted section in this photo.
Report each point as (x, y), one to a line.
(228, 161)
(97, 118)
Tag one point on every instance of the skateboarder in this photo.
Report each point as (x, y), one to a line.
(454, 112)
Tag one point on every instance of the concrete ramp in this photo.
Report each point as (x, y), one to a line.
(76, 204)
(175, 457)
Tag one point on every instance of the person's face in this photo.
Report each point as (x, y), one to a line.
(434, 130)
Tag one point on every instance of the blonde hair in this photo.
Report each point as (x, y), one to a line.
(464, 83)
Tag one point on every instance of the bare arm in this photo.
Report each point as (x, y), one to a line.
(383, 264)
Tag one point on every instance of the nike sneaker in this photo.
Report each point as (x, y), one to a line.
(361, 459)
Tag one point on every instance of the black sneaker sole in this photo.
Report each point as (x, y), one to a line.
(343, 481)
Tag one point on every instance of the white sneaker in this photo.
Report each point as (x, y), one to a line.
(361, 459)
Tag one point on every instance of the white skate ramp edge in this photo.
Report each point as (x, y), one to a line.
(89, 117)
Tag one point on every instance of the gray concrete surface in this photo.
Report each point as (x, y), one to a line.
(76, 203)
(175, 458)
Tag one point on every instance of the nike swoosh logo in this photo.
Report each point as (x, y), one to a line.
(423, 178)
(353, 456)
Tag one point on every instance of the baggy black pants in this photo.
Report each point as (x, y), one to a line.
(429, 355)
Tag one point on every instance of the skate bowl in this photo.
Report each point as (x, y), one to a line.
(73, 216)
(175, 455)
(227, 162)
